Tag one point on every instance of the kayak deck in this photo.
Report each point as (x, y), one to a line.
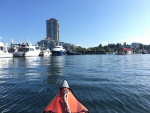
(65, 102)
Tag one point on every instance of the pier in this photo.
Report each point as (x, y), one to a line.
(92, 52)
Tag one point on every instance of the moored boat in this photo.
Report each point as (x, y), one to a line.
(45, 52)
(65, 102)
(58, 51)
(4, 53)
(26, 49)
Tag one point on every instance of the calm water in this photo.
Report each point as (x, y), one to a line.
(103, 83)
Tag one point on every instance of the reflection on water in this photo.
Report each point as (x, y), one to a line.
(55, 70)
(57, 65)
(4, 62)
(28, 62)
(103, 83)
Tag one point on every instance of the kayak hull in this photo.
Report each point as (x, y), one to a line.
(65, 102)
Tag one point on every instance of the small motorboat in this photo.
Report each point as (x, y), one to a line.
(65, 102)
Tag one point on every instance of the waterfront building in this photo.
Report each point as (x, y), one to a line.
(135, 45)
(53, 29)
(48, 43)
(53, 36)
(125, 50)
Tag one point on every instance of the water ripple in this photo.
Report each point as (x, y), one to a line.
(103, 83)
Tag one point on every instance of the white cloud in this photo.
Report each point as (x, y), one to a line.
(144, 40)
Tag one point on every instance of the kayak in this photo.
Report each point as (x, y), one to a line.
(65, 102)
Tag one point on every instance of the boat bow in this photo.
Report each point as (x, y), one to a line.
(65, 102)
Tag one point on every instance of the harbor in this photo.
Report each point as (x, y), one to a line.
(26, 49)
(74, 56)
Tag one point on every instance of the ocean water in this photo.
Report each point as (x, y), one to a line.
(103, 83)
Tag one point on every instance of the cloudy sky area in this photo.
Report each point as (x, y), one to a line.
(86, 23)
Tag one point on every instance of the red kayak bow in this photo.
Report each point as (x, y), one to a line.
(65, 102)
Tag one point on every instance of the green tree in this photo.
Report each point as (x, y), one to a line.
(106, 48)
(100, 47)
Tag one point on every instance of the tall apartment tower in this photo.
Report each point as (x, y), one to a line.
(53, 29)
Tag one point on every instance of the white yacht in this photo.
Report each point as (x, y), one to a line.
(45, 52)
(26, 50)
(4, 50)
(58, 51)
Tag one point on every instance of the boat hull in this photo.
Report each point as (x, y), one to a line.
(45, 53)
(19, 54)
(7, 55)
(58, 53)
(65, 102)
(26, 54)
(32, 54)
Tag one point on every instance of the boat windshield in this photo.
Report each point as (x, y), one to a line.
(58, 47)
(23, 49)
(31, 49)
(1, 48)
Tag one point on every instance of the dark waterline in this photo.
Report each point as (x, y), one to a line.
(103, 83)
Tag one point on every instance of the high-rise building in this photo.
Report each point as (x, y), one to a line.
(53, 29)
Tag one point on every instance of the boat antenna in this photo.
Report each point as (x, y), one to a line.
(28, 42)
(21, 41)
(12, 41)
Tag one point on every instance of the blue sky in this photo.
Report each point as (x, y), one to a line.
(86, 23)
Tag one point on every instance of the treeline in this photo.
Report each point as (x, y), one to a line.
(108, 48)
